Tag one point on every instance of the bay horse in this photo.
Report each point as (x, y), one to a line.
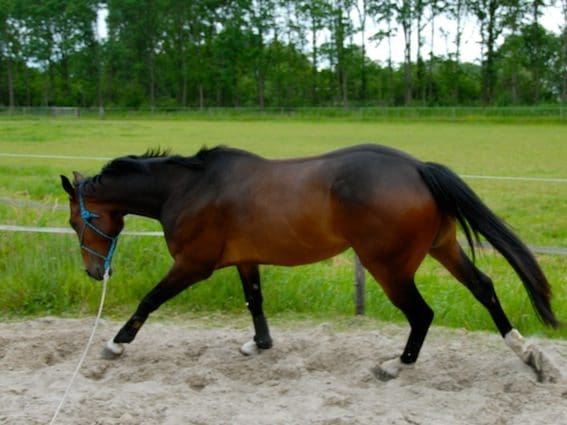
(227, 207)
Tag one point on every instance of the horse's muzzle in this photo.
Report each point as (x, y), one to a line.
(97, 273)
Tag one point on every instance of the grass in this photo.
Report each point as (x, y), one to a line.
(42, 274)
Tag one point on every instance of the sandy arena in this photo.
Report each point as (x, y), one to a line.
(183, 373)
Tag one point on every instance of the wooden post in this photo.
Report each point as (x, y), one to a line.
(359, 284)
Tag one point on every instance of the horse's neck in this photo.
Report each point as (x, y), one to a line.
(144, 196)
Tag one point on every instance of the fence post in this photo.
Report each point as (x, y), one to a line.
(359, 284)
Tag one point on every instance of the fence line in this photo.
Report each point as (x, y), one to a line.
(48, 156)
(33, 204)
(103, 158)
(369, 112)
(557, 250)
(359, 272)
(512, 178)
(63, 230)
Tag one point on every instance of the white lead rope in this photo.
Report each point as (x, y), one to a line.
(84, 355)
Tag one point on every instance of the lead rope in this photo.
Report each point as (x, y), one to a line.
(89, 342)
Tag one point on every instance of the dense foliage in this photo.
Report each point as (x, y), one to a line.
(274, 53)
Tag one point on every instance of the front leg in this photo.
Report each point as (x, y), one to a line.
(250, 277)
(180, 277)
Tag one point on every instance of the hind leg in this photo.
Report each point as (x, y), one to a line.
(451, 255)
(461, 267)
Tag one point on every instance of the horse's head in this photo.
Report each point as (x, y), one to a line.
(97, 225)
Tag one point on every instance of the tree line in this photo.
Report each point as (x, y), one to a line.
(275, 53)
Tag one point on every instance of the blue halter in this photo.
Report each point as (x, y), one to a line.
(87, 215)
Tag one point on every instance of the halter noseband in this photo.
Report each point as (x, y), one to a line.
(87, 215)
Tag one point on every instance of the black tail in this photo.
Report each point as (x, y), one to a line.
(456, 198)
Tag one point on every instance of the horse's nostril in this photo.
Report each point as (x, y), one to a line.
(94, 275)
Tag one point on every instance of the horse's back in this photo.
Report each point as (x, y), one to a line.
(300, 211)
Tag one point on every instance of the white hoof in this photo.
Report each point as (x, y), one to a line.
(390, 369)
(249, 348)
(516, 342)
(112, 350)
(544, 367)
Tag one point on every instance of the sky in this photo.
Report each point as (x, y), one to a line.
(470, 43)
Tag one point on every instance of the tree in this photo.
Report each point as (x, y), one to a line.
(563, 63)
(233, 57)
(531, 48)
(135, 30)
(489, 14)
(50, 34)
(288, 76)
(179, 24)
(362, 10)
(9, 47)
(420, 24)
(514, 13)
(541, 54)
(341, 29)
(315, 12)
(435, 7)
(405, 12)
(271, 53)
(457, 11)
(384, 12)
(261, 20)
(536, 40)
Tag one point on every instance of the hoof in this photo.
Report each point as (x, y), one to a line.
(390, 369)
(250, 349)
(532, 355)
(544, 367)
(112, 350)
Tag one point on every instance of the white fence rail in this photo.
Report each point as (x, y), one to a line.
(359, 273)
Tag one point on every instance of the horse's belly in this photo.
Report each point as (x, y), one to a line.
(283, 250)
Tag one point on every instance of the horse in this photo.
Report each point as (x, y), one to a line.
(228, 207)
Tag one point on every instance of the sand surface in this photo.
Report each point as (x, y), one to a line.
(177, 373)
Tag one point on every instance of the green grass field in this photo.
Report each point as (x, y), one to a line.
(42, 274)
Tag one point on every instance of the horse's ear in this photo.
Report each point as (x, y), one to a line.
(78, 177)
(67, 186)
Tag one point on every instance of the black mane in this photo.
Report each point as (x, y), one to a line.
(141, 163)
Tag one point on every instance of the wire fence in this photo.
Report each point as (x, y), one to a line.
(552, 113)
(447, 113)
(359, 271)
